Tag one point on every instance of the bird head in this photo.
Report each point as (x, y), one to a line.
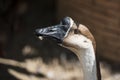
(68, 34)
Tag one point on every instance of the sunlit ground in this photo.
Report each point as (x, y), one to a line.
(54, 70)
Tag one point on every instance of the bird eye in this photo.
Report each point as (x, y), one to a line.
(76, 31)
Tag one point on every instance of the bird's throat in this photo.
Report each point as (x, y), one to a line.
(88, 61)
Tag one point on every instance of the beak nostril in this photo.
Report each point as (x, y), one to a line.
(50, 30)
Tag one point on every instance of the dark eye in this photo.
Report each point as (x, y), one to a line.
(76, 31)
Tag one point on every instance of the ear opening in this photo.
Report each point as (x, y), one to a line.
(86, 32)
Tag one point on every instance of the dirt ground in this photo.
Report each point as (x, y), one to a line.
(53, 70)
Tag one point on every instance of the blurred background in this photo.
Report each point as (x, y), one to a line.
(24, 57)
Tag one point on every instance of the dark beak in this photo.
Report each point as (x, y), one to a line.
(57, 32)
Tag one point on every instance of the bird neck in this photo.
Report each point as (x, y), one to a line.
(88, 61)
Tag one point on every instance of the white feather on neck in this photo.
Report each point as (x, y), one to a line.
(85, 53)
(88, 62)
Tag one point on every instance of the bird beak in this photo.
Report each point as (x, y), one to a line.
(56, 32)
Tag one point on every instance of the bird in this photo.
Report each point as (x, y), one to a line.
(78, 39)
